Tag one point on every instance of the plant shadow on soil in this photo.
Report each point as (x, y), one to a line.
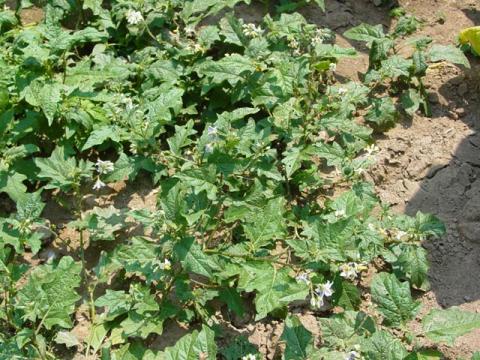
(451, 191)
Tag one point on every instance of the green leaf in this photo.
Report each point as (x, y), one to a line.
(345, 294)
(266, 224)
(412, 262)
(393, 299)
(320, 3)
(365, 32)
(12, 184)
(232, 298)
(181, 137)
(193, 346)
(425, 355)
(411, 100)
(62, 172)
(46, 95)
(194, 259)
(382, 345)
(99, 136)
(383, 113)
(275, 288)
(447, 325)
(239, 347)
(299, 341)
(346, 329)
(448, 53)
(293, 158)
(233, 69)
(476, 356)
(67, 338)
(49, 294)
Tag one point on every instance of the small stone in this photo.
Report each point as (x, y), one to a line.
(467, 298)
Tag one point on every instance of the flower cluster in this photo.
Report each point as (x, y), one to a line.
(351, 270)
(249, 357)
(102, 167)
(134, 17)
(252, 30)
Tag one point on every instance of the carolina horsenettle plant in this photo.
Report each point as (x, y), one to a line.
(257, 156)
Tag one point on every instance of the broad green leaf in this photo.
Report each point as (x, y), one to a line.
(181, 137)
(99, 136)
(299, 341)
(365, 32)
(238, 347)
(448, 53)
(233, 69)
(382, 345)
(293, 158)
(193, 346)
(383, 113)
(266, 224)
(12, 184)
(45, 95)
(62, 172)
(393, 299)
(274, 287)
(194, 259)
(49, 294)
(411, 101)
(67, 338)
(425, 355)
(412, 262)
(346, 329)
(447, 325)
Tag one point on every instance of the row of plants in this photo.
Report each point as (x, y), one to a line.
(259, 156)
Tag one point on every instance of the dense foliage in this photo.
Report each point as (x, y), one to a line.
(259, 157)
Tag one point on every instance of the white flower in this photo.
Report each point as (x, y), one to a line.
(293, 44)
(316, 301)
(353, 355)
(166, 265)
(209, 148)
(325, 290)
(303, 277)
(212, 130)
(340, 213)
(348, 271)
(104, 167)
(342, 90)
(249, 357)
(332, 67)
(351, 270)
(98, 184)
(128, 103)
(134, 17)
(400, 234)
(372, 149)
(317, 40)
(252, 31)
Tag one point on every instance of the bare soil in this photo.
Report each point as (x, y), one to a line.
(428, 164)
